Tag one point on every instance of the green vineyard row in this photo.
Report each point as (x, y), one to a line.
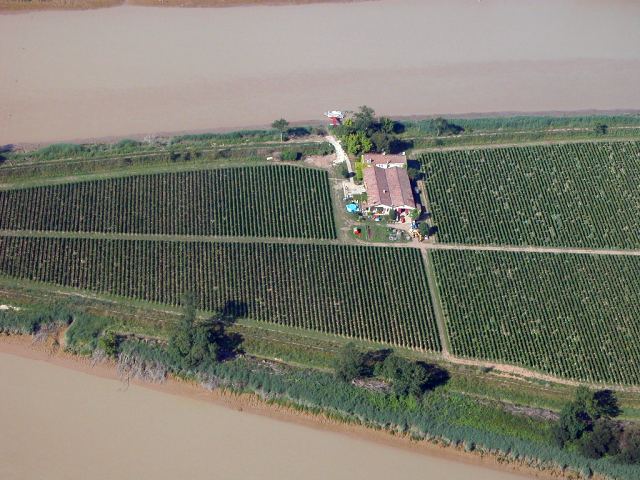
(573, 195)
(266, 201)
(370, 293)
(573, 316)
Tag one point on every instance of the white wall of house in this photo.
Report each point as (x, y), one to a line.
(387, 208)
(390, 165)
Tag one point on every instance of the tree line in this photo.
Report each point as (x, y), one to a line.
(406, 377)
(588, 424)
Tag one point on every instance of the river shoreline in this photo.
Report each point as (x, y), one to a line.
(141, 136)
(12, 6)
(23, 346)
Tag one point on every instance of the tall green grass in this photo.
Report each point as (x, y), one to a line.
(528, 122)
(31, 320)
(84, 332)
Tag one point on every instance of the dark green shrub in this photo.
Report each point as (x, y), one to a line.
(349, 363)
(109, 342)
(290, 155)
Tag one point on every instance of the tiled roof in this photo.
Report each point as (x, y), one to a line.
(388, 186)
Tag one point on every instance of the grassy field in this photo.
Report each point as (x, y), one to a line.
(247, 201)
(61, 161)
(572, 316)
(368, 293)
(423, 134)
(574, 195)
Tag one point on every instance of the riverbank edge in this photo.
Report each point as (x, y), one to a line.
(20, 6)
(23, 346)
(160, 134)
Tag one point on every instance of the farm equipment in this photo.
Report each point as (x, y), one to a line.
(335, 117)
(415, 233)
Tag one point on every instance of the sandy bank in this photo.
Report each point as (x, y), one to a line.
(135, 70)
(15, 6)
(142, 432)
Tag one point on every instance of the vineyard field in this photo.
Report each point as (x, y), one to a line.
(572, 195)
(573, 316)
(265, 201)
(370, 293)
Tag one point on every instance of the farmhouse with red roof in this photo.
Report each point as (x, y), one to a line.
(387, 183)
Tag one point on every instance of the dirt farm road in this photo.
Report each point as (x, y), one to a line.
(529, 249)
(414, 244)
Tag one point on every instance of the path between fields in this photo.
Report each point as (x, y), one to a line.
(506, 369)
(316, 241)
(529, 249)
(341, 155)
(529, 143)
(521, 372)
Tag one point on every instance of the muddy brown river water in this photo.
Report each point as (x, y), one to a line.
(63, 424)
(136, 70)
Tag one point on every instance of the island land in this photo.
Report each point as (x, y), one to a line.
(277, 264)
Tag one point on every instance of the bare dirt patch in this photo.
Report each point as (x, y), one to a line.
(321, 161)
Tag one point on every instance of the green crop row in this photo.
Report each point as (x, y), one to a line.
(573, 316)
(267, 201)
(579, 195)
(369, 293)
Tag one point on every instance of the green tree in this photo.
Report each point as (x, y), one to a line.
(407, 378)
(603, 440)
(357, 143)
(282, 126)
(364, 119)
(346, 128)
(414, 171)
(290, 155)
(441, 126)
(343, 170)
(109, 343)
(191, 343)
(358, 168)
(381, 142)
(393, 215)
(349, 363)
(573, 422)
(197, 344)
(605, 404)
(204, 347)
(387, 125)
(174, 156)
(601, 129)
(444, 127)
(181, 338)
(630, 445)
(580, 415)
